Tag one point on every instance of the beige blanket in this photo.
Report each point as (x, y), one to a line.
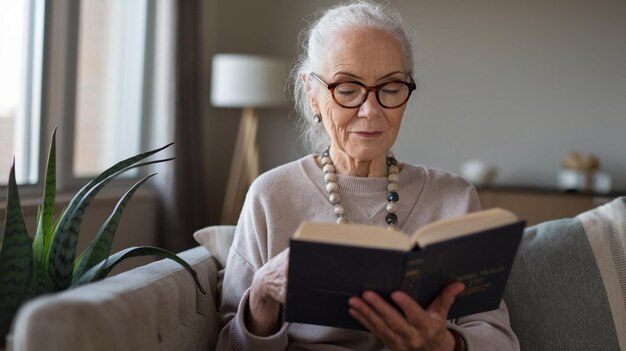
(605, 227)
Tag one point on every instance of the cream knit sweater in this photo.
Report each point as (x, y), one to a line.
(282, 198)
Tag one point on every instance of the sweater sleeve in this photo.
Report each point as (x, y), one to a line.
(488, 331)
(248, 253)
(235, 335)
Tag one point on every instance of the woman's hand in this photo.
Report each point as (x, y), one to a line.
(414, 328)
(269, 290)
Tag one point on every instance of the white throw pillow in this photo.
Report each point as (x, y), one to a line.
(217, 240)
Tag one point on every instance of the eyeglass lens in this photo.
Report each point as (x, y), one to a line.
(392, 94)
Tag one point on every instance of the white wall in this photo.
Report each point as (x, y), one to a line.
(516, 83)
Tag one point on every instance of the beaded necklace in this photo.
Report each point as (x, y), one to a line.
(330, 178)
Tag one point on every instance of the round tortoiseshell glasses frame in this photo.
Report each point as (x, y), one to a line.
(411, 86)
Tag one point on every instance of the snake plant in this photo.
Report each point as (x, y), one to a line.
(47, 264)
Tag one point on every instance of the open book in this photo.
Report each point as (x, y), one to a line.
(328, 263)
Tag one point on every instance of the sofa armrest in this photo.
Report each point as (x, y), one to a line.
(153, 307)
(559, 292)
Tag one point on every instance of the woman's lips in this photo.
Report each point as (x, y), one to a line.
(367, 135)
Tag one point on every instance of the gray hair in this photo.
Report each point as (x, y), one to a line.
(315, 39)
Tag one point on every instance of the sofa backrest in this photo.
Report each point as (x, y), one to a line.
(557, 293)
(153, 307)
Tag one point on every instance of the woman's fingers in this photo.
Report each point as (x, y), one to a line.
(414, 313)
(361, 318)
(268, 291)
(409, 327)
(445, 299)
(388, 320)
(378, 324)
(282, 266)
(380, 305)
(270, 281)
(421, 318)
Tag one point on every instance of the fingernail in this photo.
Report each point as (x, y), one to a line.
(354, 302)
(368, 296)
(352, 312)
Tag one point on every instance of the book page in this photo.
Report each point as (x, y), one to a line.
(354, 235)
(462, 225)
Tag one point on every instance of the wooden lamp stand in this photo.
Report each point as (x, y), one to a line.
(244, 167)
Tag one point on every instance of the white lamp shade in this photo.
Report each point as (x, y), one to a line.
(247, 81)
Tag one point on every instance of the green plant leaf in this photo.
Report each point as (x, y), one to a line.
(56, 224)
(45, 213)
(38, 243)
(39, 283)
(100, 248)
(60, 257)
(102, 269)
(122, 165)
(63, 247)
(16, 258)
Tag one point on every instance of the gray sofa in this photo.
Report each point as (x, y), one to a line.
(567, 291)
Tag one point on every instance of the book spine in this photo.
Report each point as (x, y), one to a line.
(413, 271)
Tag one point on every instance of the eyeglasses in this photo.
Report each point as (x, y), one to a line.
(353, 94)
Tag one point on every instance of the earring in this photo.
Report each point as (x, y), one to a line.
(317, 118)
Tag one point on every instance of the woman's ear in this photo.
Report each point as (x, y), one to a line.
(309, 92)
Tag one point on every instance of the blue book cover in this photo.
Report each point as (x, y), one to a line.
(326, 270)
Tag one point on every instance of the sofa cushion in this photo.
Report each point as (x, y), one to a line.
(217, 240)
(556, 295)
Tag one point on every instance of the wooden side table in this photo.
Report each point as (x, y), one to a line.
(538, 205)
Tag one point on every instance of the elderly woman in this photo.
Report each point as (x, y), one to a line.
(351, 87)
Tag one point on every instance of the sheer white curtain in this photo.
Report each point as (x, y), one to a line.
(161, 109)
(178, 111)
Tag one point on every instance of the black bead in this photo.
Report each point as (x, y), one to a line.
(392, 196)
(391, 161)
(391, 218)
(326, 153)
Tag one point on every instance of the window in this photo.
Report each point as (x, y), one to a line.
(21, 44)
(109, 83)
(86, 61)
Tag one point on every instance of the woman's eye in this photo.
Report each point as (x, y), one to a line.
(347, 90)
(390, 91)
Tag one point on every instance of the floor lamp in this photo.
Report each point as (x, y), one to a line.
(247, 82)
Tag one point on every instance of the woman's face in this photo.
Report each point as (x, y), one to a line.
(371, 57)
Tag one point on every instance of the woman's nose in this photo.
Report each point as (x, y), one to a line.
(371, 108)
